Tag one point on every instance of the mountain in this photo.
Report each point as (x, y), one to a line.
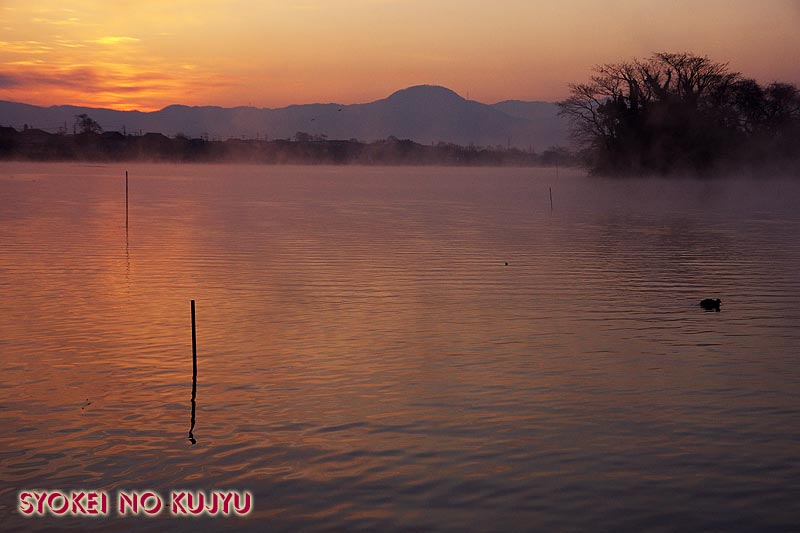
(545, 123)
(424, 113)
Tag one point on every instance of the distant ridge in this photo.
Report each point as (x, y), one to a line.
(423, 113)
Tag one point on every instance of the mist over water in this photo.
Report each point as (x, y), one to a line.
(367, 359)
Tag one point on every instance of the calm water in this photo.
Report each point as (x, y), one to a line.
(368, 361)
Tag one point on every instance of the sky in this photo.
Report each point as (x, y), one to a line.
(147, 54)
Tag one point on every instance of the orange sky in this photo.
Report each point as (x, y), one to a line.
(146, 54)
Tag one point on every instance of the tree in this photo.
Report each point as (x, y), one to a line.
(85, 124)
(676, 112)
(657, 114)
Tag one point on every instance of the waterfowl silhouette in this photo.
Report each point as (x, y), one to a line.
(711, 305)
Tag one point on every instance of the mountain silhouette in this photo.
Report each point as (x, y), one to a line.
(423, 113)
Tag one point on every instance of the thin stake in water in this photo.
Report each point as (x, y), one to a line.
(126, 199)
(551, 198)
(194, 375)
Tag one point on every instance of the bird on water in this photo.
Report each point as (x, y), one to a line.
(711, 304)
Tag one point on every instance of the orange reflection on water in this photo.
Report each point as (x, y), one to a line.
(365, 354)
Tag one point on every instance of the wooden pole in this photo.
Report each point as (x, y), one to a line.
(194, 346)
(551, 198)
(126, 199)
(194, 376)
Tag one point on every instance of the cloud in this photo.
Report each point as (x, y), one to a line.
(73, 78)
(26, 47)
(27, 63)
(57, 22)
(113, 40)
(8, 81)
(118, 86)
(69, 44)
(87, 80)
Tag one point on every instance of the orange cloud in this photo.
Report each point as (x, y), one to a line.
(115, 40)
(148, 53)
(90, 86)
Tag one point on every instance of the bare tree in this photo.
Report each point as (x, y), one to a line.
(85, 124)
(649, 114)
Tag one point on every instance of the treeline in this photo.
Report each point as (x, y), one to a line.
(676, 113)
(92, 145)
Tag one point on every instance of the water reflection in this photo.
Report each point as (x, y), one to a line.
(378, 366)
(194, 403)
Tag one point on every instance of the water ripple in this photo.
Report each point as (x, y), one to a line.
(403, 349)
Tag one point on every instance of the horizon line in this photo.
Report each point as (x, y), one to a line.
(428, 85)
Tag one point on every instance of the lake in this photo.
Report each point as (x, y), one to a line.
(386, 349)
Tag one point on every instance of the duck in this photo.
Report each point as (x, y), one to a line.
(710, 304)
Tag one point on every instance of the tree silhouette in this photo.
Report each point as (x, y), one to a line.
(85, 124)
(678, 111)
